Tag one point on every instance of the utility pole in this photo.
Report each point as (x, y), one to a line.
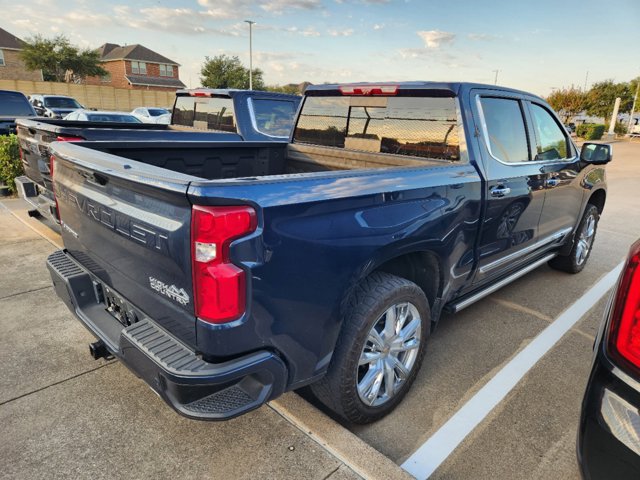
(633, 107)
(495, 81)
(586, 77)
(251, 23)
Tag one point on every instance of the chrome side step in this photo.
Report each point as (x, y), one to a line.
(466, 301)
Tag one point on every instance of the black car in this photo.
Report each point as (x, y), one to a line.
(54, 106)
(13, 105)
(609, 433)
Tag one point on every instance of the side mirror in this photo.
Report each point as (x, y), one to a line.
(596, 153)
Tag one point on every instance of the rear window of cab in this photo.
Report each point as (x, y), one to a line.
(413, 126)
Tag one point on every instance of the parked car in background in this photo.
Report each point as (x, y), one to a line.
(102, 116)
(609, 433)
(13, 105)
(571, 127)
(152, 115)
(54, 106)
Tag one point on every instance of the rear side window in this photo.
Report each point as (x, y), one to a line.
(205, 113)
(552, 141)
(14, 104)
(413, 126)
(505, 129)
(273, 117)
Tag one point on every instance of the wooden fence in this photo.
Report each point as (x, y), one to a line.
(95, 96)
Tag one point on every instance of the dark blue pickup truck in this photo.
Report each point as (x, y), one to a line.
(226, 274)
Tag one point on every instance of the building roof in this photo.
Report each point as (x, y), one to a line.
(154, 81)
(111, 51)
(10, 41)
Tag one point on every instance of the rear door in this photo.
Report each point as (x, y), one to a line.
(514, 188)
(129, 224)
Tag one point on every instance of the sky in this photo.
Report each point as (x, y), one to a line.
(535, 46)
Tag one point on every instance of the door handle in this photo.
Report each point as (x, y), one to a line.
(552, 182)
(499, 191)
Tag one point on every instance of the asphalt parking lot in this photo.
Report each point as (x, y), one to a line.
(64, 415)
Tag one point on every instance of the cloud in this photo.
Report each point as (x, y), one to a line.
(378, 26)
(436, 38)
(341, 33)
(278, 6)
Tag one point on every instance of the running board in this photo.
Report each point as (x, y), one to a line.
(465, 302)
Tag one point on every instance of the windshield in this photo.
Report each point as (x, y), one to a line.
(61, 102)
(273, 117)
(107, 117)
(14, 104)
(156, 112)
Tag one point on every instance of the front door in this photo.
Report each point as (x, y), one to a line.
(514, 188)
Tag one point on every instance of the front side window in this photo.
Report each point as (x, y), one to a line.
(552, 140)
(414, 126)
(505, 129)
(273, 117)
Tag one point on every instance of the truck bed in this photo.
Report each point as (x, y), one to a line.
(228, 160)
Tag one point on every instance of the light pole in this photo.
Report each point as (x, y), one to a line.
(251, 23)
(633, 107)
(495, 81)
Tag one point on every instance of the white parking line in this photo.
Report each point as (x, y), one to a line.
(442, 443)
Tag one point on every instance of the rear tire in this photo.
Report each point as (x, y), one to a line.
(583, 239)
(379, 350)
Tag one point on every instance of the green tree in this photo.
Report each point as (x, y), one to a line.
(602, 96)
(567, 102)
(223, 71)
(60, 61)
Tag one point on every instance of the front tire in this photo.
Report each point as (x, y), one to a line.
(379, 351)
(585, 234)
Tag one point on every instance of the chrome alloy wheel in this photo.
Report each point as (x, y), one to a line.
(389, 354)
(585, 240)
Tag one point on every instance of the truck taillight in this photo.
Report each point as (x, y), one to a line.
(53, 189)
(624, 334)
(68, 138)
(219, 286)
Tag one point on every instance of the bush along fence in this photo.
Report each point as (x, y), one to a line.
(10, 164)
(95, 96)
(590, 131)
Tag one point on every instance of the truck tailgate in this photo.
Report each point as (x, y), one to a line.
(129, 224)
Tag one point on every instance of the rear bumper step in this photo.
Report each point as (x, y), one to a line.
(192, 386)
(42, 205)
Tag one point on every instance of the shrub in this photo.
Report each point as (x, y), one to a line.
(10, 163)
(590, 131)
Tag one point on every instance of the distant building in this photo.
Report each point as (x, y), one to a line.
(137, 67)
(11, 65)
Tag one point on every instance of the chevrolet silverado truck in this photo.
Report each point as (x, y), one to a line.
(226, 274)
(198, 115)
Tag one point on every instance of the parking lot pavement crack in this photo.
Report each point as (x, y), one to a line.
(522, 308)
(25, 292)
(57, 383)
(331, 472)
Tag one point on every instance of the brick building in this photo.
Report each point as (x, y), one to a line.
(137, 67)
(11, 65)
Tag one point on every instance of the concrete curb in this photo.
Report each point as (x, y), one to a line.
(360, 457)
